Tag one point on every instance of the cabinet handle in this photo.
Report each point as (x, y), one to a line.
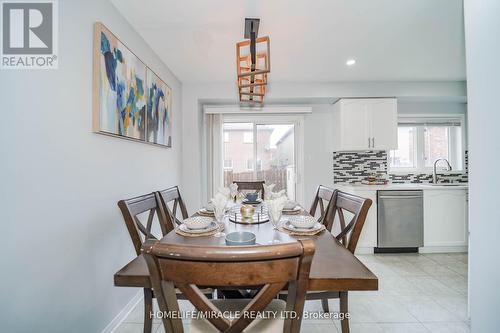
(369, 143)
(373, 142)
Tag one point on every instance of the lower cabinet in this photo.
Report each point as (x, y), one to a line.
(445, 220)
(368, 238)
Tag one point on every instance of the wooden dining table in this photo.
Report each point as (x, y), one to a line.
(333, 268)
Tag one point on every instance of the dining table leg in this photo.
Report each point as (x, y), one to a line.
(148, 310)
(344, 323)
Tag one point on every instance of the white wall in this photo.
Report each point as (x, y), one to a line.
(415, 107)
(63, 236)
(482, 25)
(318, 125)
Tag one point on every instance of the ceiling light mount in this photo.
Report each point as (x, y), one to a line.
(252, 63)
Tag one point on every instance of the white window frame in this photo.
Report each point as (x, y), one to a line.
(297, 120)
(250, 166)
(420, 151)
(226, 137)
(227, 167)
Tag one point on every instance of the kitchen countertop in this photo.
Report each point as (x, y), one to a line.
(410, 186)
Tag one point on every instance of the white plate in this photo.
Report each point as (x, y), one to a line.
(293, 210)
(302, 221)
(288, 226)
(205, 211)
(211, 227)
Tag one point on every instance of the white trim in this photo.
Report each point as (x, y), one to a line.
(298, 121)
(237, 109)
(443, 249)
(120, 317)
(420, 149)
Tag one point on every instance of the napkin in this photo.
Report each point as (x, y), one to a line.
(268, 189)
(276, 195)
(219, 201)
(224, 191)
(275, 207)
(233, 190)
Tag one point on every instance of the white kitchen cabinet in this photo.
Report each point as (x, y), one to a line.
(445, 219)
(364, 124)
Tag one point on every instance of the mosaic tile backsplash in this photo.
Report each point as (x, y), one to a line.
(353, 167)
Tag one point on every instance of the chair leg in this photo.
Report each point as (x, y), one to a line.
(324, 304)
(344, 323)
(148, 309)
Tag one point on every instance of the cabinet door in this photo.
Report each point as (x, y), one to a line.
(383, 123)
(354, 125)
(445, 218)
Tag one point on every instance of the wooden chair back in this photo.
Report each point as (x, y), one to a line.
(170, 199)
(133, 207)
(272, 268)
(358, 206)
(255, 186)
(323, 200)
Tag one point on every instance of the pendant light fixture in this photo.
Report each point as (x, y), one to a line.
(253, 63)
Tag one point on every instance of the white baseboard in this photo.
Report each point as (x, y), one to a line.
(120, 317)
(443, 249)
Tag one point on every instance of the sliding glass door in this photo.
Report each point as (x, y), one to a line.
(260, 150)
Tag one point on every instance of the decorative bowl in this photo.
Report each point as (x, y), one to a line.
(198, 222)
(240, 238)
(247, 211)
(302, 221)
(252, 196)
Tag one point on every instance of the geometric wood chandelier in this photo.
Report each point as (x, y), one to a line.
(253, 63)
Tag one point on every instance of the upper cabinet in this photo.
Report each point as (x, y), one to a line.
(365, 124)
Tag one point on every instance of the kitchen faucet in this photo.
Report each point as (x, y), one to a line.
(434, 175)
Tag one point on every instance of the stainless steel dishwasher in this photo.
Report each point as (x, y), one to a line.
(400, 221)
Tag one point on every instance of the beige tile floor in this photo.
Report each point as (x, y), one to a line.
(417, 293)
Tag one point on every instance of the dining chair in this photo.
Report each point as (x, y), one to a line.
(151, 204)
(323, 200)
(256, 186)
(343, 204)
(272, 267)
(140, 232)
(172, 197)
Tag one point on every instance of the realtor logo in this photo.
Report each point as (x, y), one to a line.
(29, 35)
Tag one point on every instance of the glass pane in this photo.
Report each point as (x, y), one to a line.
(237, 152)
(436, 144)
(404, 156)
(275, 157)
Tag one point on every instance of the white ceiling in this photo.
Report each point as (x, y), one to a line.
(391, 40)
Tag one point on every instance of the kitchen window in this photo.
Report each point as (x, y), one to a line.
(421, 141)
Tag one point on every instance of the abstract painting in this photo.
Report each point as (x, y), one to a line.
(159, 113)
(119, 88)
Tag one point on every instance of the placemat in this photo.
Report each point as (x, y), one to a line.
(302, 233)
(208, 214)
(292, 212)
(208, 233)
